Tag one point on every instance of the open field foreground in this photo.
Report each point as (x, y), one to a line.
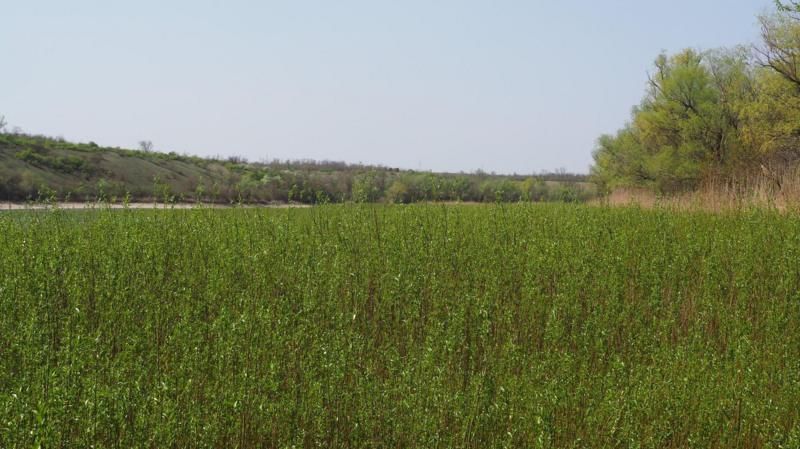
(425, 326)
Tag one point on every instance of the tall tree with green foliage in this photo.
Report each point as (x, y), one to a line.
(715, 115)
(685, 127)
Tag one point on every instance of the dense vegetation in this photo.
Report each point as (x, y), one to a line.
(724, 115)
(400, 326)
(37, 167)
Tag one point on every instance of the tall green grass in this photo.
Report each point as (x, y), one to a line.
(399, 326)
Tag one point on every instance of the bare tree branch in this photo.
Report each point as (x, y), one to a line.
(146, 146)
(780, 49)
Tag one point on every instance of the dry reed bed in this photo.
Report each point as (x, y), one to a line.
(781, 193)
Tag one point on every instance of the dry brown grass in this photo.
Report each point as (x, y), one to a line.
(763, 191)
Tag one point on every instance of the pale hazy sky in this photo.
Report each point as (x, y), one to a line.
(450, 85)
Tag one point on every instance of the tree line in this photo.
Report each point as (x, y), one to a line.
(34, 167)
(717, 115)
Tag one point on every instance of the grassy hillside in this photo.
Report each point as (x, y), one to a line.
(33, 166)
(422, 326)
(85, 171)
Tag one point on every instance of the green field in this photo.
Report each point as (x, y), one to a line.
(400, 326)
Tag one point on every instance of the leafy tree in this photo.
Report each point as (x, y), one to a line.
(771, 122)
(399, 192)
(620, 160)
(686, 127)
(368, 187)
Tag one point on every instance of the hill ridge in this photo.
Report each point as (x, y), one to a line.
(38, 166)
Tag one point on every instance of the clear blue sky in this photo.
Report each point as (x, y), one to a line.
(451, 85)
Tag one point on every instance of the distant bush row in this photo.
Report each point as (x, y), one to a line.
(305, 187)
(62, 170)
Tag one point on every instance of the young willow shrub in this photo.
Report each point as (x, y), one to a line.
(399, 326)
